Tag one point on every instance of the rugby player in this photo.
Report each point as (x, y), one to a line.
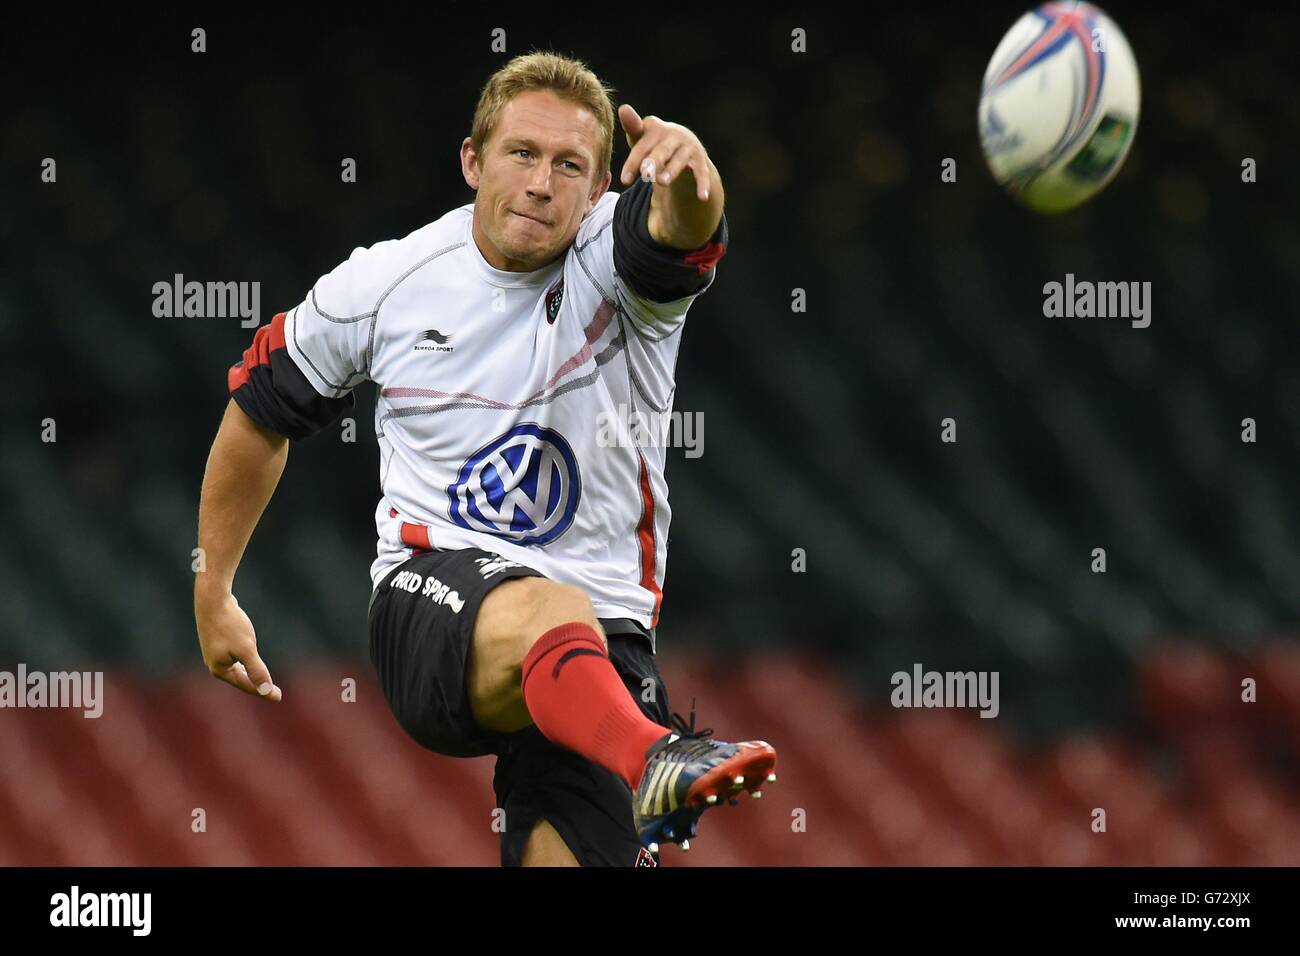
(518, 579)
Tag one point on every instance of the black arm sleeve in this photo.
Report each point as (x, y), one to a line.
(655, 272)
(271, 390)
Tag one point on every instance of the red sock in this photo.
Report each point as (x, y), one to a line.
(578, 701)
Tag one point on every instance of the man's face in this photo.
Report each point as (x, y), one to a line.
(535, 180)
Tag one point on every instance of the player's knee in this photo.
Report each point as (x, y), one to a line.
(546, 604)
(518, 612)
(565, 604)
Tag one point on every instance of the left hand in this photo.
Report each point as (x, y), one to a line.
(663, 151)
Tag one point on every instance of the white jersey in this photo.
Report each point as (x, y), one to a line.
(500, 394)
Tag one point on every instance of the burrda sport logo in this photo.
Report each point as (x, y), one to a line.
(523, 486)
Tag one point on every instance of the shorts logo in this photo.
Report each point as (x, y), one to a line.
(490, 566)
(433, 589)
(645, 858)
(523, 486)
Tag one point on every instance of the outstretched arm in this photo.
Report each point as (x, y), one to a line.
(687, 202)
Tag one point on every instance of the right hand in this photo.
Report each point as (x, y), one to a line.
(230, 646)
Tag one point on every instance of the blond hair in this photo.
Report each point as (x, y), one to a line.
(567, 77)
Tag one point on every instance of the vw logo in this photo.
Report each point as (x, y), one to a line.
(523, 486)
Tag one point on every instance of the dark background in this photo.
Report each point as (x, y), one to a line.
(821, 428)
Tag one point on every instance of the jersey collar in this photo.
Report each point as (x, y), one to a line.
(507, 280)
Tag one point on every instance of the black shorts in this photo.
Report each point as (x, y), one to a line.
(421, 627)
